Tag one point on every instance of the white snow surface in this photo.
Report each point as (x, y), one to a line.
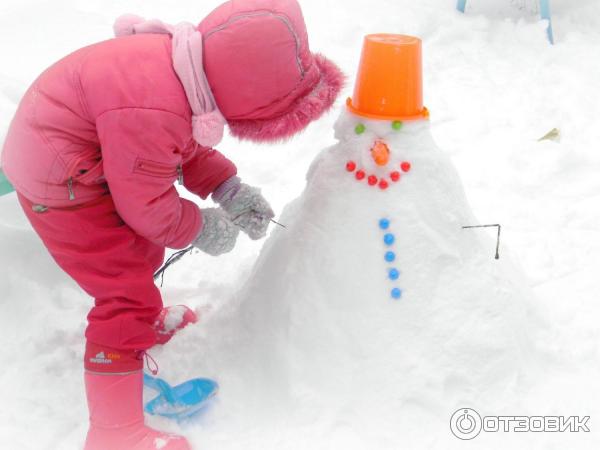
(309, 349)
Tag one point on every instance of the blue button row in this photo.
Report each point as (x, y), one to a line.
(389, 239)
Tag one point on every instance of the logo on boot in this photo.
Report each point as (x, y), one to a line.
(101, 358)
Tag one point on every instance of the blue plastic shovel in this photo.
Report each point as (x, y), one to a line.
(182, 401)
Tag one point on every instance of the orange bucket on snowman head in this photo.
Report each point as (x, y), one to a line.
(389, 82)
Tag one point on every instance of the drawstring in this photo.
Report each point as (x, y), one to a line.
(147, 359)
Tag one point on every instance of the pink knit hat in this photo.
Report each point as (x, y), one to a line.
(266, 82)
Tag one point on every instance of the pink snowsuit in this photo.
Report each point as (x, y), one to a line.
(99, 140)
(101, 136)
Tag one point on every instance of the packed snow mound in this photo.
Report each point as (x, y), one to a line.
(323, 336)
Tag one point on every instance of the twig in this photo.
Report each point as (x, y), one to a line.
(497, 256)
(277, 223)
(234, 220)
(179, 254)
(171, 260)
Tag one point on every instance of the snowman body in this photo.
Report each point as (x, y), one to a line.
(374, 308)
(318, 338)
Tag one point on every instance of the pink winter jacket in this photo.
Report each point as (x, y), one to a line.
(113, 117)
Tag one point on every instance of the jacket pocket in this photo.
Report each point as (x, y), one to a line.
(158, 169)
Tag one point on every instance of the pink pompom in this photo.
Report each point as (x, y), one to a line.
(207, 129)
(124, 25)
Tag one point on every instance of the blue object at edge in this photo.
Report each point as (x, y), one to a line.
(5, 186)
(544, 12)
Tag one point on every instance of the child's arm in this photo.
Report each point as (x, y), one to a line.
(142, 159)
(206, 171)
(210, 172)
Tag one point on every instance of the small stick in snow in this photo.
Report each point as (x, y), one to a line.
(497, 256)
(277, 223)
(172, 260)
(234, 220)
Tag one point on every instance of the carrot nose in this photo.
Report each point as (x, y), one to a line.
(380, 153)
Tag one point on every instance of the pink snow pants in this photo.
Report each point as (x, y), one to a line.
(111, 263)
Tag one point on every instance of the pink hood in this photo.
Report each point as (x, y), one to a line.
(265, 79)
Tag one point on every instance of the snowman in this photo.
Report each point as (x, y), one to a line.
(374, 310)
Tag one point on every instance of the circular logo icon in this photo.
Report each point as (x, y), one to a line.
(465, 423)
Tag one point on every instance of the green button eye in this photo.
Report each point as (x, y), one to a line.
(359, 129)
(396, 125)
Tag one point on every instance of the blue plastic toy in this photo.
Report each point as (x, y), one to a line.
(384, 224)
(393, 274)
(179, 402)
(390, 256)
(396, 293)
(5, 186)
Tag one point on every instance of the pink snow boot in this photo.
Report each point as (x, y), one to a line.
(117, 418)
(172, 319)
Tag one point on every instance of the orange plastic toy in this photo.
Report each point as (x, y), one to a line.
(389, 84)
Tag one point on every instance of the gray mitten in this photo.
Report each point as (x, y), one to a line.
(246, 206)
(218, 233)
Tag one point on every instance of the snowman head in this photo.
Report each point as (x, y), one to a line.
(386, 103)
(377, 152)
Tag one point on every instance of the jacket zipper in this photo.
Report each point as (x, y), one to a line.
(156, 169)
(83, 157)
(180, 174)
(74, 163)
(70, 189)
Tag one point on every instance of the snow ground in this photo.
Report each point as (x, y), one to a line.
(493, 85)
